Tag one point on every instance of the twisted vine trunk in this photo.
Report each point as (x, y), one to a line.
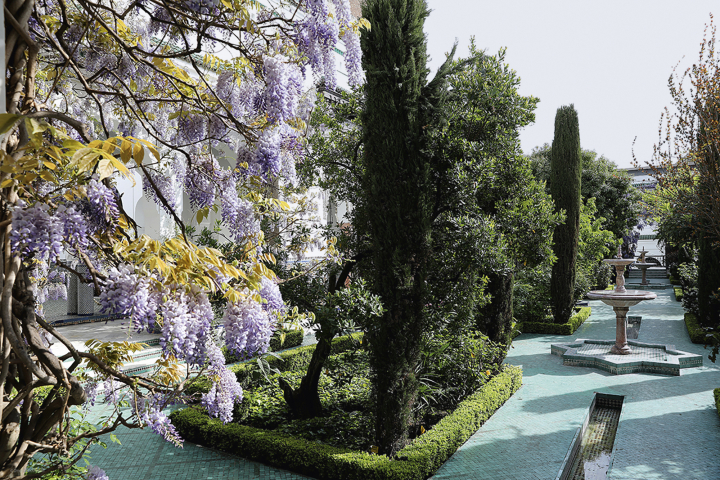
(26, 362)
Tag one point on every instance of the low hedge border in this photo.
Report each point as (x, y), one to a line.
(674, 281)
(418, 460)
(558, 328)
(716, 393)
(678, 293)
(697, 334)
(289, 360)
(293, 338)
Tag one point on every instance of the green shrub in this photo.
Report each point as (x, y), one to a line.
(696, 332)
(716, 393)
(285, 338)
(674, 281)
(678, 293)
(289, 360)
(418, 460)
(558, 329)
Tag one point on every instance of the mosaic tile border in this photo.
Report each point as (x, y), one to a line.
(66, 322)
(623, 364)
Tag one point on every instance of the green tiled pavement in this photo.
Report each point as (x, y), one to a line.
(146, 456)
(669, 428)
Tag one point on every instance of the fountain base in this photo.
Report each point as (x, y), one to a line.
(624, 350)
(644, 357)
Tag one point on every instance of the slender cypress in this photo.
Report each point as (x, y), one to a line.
(565, 175)
(397, 207)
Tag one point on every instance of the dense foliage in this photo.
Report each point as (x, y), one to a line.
(565, 178)
(489, 217)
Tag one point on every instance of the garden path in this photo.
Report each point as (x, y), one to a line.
(669, 429)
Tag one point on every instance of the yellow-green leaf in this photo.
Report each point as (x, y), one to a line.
(7, 121)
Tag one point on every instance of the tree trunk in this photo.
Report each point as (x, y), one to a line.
(304, 401)
(495, 319)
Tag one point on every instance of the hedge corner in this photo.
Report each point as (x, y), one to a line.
(697, 334)
(558, 329)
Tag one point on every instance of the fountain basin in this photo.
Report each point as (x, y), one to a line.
(645, 357)
(626, 299)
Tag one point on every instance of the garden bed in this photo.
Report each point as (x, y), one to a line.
(339, 444)
(549, 328)
(418, 460)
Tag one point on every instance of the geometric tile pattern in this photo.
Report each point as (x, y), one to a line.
(639, 353)
(645, 357)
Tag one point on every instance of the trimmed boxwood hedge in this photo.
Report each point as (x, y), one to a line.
(558, 328)
(716, 393)
(289, 360)
(678, 293)
(418, 460)
(293, 338)
(697, 334)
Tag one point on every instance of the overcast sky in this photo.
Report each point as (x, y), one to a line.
(612, 59)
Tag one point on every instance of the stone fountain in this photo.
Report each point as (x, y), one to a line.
(642, 265)
(621, 300)
(618, 357)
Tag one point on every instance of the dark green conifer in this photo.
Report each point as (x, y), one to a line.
(397, 209)
(565, 175)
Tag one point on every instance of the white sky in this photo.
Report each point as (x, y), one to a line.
(612, 59)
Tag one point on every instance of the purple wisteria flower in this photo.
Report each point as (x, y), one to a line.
(248, 328)
(225, 391)
(186, 323)
(103, 208)
(238, 213)
(270, 292)
(127, 293)
(75, 229)
(36, 231)
(96, 473)
(160, 424)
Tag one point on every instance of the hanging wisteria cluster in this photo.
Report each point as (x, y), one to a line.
(203, 103)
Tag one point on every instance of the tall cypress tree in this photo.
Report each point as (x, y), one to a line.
(397, 208)
(565, 175)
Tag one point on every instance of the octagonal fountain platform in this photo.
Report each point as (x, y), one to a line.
(622, 355)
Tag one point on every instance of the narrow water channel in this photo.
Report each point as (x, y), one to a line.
(593, 459)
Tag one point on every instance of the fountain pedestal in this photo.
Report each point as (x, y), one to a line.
(621, 346)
